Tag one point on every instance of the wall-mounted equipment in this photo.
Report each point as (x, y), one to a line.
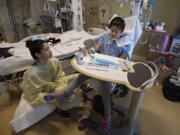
(104, 14)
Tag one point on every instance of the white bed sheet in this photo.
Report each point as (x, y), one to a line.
(13, 64)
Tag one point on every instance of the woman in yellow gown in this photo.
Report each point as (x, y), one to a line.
(44, 81)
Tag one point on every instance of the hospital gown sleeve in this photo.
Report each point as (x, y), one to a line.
(35, 88)
(61, 81)
(59, 76)
(102, 39)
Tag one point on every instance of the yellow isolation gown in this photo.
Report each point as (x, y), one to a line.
(40, 80)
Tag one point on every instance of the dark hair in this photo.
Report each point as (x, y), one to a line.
(35, 46)
(118, 22)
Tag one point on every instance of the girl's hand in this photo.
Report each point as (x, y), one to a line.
(83, 50)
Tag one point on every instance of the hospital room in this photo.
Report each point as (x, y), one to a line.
(89, 67)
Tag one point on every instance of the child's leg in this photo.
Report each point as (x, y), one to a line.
(74, 84)
(106, 96)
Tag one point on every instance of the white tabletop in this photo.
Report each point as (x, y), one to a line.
(115, 75)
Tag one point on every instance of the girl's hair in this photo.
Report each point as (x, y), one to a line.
(35, 47)
(118, 22)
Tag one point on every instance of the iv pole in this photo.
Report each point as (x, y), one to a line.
(136, 8)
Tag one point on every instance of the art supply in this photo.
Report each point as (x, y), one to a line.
(111, 64)
(91, 54)
(79, 57)
(97, 66)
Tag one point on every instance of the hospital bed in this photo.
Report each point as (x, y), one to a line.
(70, 43)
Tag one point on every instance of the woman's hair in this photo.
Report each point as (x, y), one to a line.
(35, 46)
(118, 22)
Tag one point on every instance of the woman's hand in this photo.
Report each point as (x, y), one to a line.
(54, 96)
(61, 97)
(50, 96)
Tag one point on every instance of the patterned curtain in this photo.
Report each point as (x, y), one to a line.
(12, 15)
(19, 10)
(6, 26)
